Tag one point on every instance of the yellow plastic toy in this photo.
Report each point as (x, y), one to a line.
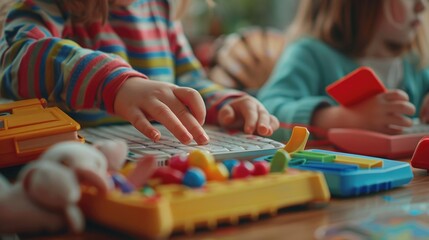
(178, 208)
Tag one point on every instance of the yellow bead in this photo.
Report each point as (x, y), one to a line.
(201, 159)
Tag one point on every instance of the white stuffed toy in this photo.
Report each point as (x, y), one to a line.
(46, 193)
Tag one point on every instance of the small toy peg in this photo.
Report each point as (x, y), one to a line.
(298, 140)
(280, 161)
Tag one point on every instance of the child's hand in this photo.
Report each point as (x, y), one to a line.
(385, 112)
(181, 110)
(424, 112)
(249, 112)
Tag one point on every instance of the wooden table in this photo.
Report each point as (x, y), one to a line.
(296, 222)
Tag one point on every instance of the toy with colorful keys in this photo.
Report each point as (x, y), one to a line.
(347, 175)
(192, 191)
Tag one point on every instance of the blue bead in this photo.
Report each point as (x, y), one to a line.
(230, 164)
(194, 178)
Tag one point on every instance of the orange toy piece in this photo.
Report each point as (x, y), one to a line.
(355, 87)
(29, 127)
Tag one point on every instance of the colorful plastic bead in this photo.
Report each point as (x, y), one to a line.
(261, 168)
(179, 162)
(243, 170)
(218, 172)
(194, 178)
(229, 164)
(201, 159)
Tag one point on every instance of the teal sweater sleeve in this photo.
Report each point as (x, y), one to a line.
(297, 85)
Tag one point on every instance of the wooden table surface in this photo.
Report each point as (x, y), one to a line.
(296, 222)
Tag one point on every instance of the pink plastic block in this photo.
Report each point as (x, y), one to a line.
(144, 168)
(355, 87)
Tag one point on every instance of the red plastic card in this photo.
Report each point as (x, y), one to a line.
(356, 87)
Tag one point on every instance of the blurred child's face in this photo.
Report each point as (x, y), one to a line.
(401, 19)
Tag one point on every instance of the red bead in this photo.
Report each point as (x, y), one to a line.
(261, 168)
(179, 162)
(243, 170)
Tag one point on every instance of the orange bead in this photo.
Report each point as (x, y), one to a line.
(218, 172)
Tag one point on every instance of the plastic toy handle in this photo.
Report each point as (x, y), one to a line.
(298, 140)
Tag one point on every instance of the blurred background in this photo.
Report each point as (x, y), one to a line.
(242, 61)
(228, 16)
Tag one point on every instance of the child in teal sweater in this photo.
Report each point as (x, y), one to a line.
(329, 39)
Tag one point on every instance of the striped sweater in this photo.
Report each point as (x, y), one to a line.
(81, 67)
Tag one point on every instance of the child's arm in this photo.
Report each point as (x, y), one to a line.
(37, 62)
(296, 86)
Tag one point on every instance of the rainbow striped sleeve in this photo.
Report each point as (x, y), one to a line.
(190, 73)
(35, 62)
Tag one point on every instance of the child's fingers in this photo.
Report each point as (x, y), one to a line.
(249, 110)
(399, 120)
(401, 107)
(396, 95)
(275, 124)
(424, 112)
(226, 115)
(138, 119)
(264, 126)
(190, 123)
(192, 99)
(163, 114)
(391, 130)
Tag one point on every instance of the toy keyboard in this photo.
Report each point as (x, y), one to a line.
(222, 145)
(351, 175)
(371, 143)
(231, 192)
(177, 208)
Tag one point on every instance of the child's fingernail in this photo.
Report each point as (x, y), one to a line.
(154, 135)
(203, 139)
(263, 129)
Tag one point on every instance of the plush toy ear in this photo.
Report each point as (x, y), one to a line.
(76, 155)
(115, 152)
